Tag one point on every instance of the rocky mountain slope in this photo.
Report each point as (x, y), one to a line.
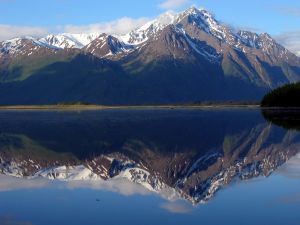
(184, 57)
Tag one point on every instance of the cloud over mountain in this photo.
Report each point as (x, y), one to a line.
(291, 40)
(11, 31)
(119, 26)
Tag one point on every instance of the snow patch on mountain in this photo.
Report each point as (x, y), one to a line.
(17, 46)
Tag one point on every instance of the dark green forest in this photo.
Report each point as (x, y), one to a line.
(285, 96)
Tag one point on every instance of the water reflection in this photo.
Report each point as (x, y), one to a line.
(286, 118)
(179, 154)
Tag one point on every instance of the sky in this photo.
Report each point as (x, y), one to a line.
(280, 18)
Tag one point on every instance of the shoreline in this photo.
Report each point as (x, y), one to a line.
(103, 107)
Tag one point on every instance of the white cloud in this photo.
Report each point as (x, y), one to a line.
(290, 40)
(177, 207)
(118, 185)
(289, 11)
(173, 4)
(9, 183)
(122, 186)
(10, 31)
(120, 26)
(291, 169)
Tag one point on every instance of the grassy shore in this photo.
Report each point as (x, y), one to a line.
(99, 107)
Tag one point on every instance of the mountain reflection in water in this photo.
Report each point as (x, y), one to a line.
(187, 154)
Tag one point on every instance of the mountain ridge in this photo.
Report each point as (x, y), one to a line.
(183, 57)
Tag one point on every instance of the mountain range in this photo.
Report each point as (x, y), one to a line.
(176, 58)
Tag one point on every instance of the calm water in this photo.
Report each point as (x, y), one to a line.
(218, 166)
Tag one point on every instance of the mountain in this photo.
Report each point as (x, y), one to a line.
(21, 57)
(176, 58)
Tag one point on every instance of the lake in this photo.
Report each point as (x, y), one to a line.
(148, 166)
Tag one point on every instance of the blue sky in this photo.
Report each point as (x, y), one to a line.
(280, 18)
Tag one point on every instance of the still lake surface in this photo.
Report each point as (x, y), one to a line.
(148, 166)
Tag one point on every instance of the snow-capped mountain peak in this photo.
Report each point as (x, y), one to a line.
(21, 46)
(248, 38)
(197, 17)
(66, 40)
(143, 33)
(107, 45)
(206, 22)
(194, 11)
(10, 46)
